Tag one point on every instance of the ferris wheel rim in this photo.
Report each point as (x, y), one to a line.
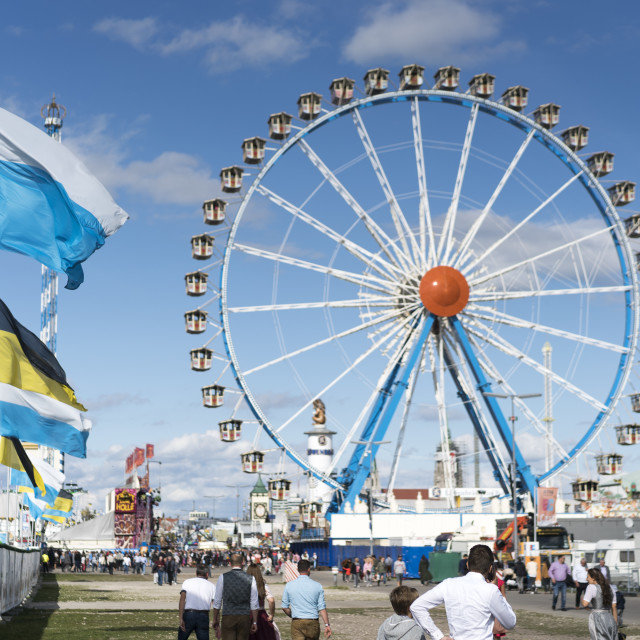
(569, 158)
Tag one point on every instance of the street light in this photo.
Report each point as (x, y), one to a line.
(514, 496)
(160, 471)
(237, 488)
(367, 452)
(213, 498)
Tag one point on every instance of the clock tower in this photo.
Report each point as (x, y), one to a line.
(259, 501)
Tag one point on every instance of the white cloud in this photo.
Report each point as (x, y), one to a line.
(170, 178)
(226, 45)
(236, 43)
(137, 33)
(193, 465)
(434, 31)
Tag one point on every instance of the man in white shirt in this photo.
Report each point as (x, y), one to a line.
(580, 578)
(472, 602)
(532, 574)
(196, 598)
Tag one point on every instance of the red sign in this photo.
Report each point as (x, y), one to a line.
(138, 456)
(150, 451)
(547, 497)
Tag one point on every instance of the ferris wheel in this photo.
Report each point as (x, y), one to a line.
(411, 256)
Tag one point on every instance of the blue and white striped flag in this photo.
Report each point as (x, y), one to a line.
(51, 207)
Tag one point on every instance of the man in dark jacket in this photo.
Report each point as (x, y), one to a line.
(237, 596)
(521, 574)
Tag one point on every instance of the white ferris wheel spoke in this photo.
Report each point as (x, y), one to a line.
(405, 418)
(491, 370)
(363, 280)
(331, 338)
(370, 259)
(446, 239)
(376, 345)
(400, 223)
(399, 353)
(437, 368)
(522, 222)
(471, 234)
(382, 239)
(491, 296)
(426, 224)
(386, 301)
(540, 256)
(493, 315)
(488, 336)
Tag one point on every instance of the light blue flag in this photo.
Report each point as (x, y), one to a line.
(51, 207)
(36, 507)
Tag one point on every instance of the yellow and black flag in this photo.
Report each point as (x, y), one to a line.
(60, 510)
(36, 403)
(13, 455)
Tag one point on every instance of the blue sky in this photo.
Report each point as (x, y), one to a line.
(160, 97)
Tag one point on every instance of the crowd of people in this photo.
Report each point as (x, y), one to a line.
(244, 606)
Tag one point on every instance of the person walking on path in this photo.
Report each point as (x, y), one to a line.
(196, 598)
(532, 575)
(603, 619)
(423, 570)
(558, 572)
(237, 596)
(462, 566)
(381, 570)
(605, 571)
(580, 578)
(473, 602)
(303, 601)
(399, 570)
(521, 574)
(267, 629)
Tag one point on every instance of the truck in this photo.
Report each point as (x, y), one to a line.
(551, 541)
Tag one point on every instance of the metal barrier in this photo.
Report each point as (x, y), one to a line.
(18, 574)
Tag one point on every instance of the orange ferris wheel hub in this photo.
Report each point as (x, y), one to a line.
(444, 291)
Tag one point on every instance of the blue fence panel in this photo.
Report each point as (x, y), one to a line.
(332, 556)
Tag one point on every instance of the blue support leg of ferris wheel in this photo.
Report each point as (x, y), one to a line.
(359, 466)
(523, 471)
(500, 473)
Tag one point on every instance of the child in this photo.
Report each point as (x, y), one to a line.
(401, 626)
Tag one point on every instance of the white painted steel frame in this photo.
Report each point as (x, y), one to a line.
(401, 258)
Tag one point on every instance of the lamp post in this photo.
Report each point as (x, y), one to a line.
(367, 452)
(159, 469)
(213, 498)
(514, 496)
(237, 488)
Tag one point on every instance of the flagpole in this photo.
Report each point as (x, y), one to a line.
(7, 512)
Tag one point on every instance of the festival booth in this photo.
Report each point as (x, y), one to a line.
(91, 535)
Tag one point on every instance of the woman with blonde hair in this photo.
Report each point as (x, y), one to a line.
(603, 619)
(267, 629)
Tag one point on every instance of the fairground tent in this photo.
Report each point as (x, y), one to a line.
(88, 536)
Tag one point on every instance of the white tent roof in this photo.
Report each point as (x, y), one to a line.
(96, 533)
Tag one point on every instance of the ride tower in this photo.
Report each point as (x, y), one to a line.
(53, 115)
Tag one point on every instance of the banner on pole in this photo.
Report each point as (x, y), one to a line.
(547, 497)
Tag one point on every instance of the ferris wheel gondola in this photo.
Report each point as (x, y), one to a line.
(405, 255)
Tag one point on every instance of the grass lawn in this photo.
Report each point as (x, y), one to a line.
(34, 624)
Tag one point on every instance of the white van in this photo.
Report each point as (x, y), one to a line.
(623, 559)
(582, 549)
